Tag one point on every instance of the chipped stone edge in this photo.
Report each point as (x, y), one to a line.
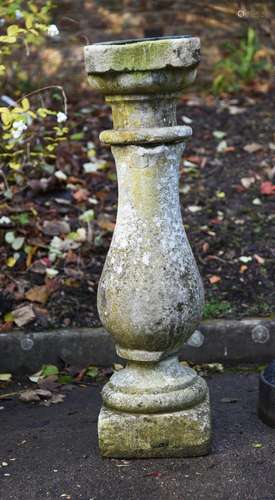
(230, 342)
(143, 135)
(143, 54)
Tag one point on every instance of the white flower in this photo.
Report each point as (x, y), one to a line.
(18, 14)
(5, 220)
(2, 21)
(16, 134)
(60, 175)
(17, 129)
(51, 273)
(53, 31)
(245, 259)
(19, 125)
(61, 117)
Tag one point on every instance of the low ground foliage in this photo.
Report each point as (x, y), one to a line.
(58, 192)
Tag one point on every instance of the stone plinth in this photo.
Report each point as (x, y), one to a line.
(150, 294)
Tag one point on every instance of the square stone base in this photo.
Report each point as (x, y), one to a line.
(179, 434)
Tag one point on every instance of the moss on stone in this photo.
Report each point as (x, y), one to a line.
(177, 434)
(150, 292)
(143, 55)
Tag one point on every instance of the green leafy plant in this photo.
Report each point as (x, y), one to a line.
(92, 372)
(30, 132)
(240, 65)
(22, 23)
(215, 309)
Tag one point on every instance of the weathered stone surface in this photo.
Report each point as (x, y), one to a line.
(143, 55)
(150, 294)
(150, 388)
(154, 135)
(179, 434)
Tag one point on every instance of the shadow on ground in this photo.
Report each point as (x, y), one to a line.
(52, 452)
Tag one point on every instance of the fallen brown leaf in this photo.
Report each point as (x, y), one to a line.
(49, 383)
(44, 396)
(214, 279)
(81, 375)
(5, 327)
(55, 399)
(229, 149)
(44, 393)
(43, 185)
(154, 473)
(81, 195)
(205, 247)
(260, 260)
(29, 396)
(55, 228)
(38, 294)
(8, 395)
(253, 147)
(260, 86)
(30, 255)
(267, 188)
(106, 225)
(23, 315)
(243, 268)
(247, 182)
(199, 160)
(239, 188)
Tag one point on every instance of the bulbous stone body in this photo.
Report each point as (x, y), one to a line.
(150, 294)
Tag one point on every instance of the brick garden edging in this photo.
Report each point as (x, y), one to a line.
(227, 341)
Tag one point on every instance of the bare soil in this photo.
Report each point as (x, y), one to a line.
(230, 225)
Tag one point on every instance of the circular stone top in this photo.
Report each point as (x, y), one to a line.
(144, 54)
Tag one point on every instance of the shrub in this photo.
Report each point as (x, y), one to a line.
(30, 132)
(241, 65)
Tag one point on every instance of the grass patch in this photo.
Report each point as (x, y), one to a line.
(240, 65)
(216, 309)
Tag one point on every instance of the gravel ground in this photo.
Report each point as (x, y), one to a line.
(52, 452)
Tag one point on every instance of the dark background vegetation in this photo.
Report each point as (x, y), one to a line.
(226, 177)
